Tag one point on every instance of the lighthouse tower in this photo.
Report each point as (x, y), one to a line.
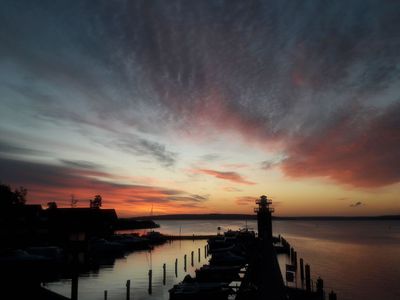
(264, 218)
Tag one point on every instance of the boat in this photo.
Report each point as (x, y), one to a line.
(102, 247)
(131, 241)
(192, 289)
(56, 254)
(212, 273)
(227, 258)
(155, 237)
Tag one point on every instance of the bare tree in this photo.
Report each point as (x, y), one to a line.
(73, 201)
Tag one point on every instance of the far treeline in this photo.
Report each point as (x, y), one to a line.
(253, 217)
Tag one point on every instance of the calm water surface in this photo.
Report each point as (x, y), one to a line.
(358, 259)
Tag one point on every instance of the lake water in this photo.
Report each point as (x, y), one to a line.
(357, 259)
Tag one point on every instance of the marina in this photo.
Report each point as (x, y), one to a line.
(351, 263)
(241, 265)
(128, 257)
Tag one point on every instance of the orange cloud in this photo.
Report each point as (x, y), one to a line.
(247, 200)
(232, 176)
(47, 183)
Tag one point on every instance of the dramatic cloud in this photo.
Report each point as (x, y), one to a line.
(360, 147)
(231, 176)
(140, 146)
(46, 182)
(111, 84)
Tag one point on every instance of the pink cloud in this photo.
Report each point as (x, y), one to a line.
(231, 176)
(361, 149)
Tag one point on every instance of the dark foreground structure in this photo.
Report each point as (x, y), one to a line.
(39, 246)
(244, 266)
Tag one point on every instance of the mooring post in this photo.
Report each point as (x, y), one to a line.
(295, 260)
(74, 287)
(291, 254)
(176, 267)
(192, 258)
(164, 272)
(128, 289)
(199, 253)
(332, 296)
(150, 281)
(205, 251)
(302, 271)
(320, 288)
(105, 295)
(308, 278)
(184, 263)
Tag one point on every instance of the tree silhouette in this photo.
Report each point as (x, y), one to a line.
(51, 205)
(9, 198)
(96, 202)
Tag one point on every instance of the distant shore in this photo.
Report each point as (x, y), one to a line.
(135, 223)
(253, 217)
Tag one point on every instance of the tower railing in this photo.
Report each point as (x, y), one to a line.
(270, 209)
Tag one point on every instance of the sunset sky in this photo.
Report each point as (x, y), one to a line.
(203, 106)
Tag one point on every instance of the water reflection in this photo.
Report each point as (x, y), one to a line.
(135, 267)
(358, 259)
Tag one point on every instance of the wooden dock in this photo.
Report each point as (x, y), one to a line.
(189, 237)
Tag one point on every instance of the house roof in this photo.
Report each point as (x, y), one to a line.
(81, 218)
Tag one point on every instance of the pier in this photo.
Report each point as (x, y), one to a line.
(245, 265)
(189, 237)
(239, 264)
(263, 279)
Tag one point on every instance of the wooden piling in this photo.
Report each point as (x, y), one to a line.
(332, 296)
(294, 262)
(74, 287)
(291, 254)
(205, 251)
(105, 295)
(176, 267)
(301, 270)
(320, 288)
(184, 263)
(128, 289)
(150, 281)
(199, 253)
(192, 254)
(164, 273)
(308, 278)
